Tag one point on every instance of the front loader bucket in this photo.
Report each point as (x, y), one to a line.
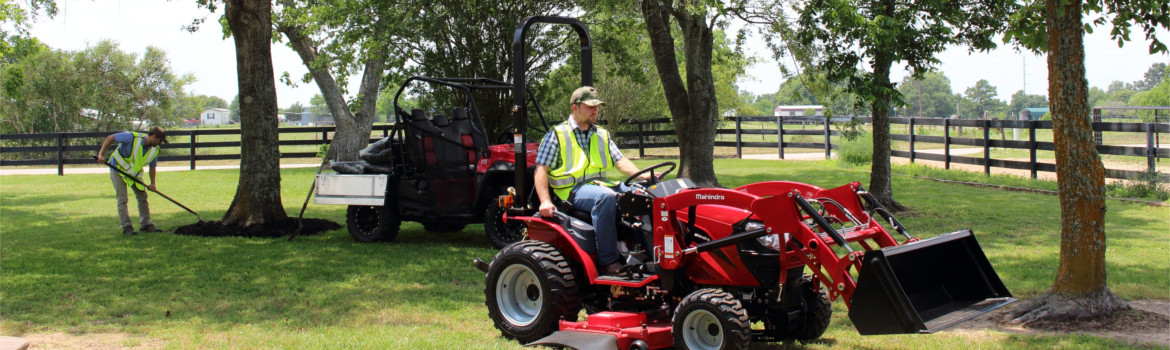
(926, 286)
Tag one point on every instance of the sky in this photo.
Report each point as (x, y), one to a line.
(136, 24)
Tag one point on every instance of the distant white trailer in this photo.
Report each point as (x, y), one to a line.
(799, 111)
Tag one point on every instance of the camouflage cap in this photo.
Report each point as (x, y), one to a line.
(586, 95)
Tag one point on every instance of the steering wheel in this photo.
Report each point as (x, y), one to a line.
(651, 168)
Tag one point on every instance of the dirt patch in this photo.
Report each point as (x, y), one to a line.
(90, 341)
(269, 230)
(1148, 324)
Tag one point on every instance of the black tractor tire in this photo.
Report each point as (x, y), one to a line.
(528, 289)
(711, 319)
(443, 227)
(372, 223)
(817, 311)
(499, 232)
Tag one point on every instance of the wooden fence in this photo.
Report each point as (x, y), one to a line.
(660, 133)
(76, 148)
(1150, 151)
(79, 147)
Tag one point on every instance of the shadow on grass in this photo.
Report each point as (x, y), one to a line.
(83, 277)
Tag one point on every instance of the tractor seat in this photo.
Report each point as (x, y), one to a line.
(568, 208)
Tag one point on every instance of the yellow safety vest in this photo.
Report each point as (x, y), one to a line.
(577, 166)
(138, 160)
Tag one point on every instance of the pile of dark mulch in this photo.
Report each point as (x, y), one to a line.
(268, 230)
(1134, 320)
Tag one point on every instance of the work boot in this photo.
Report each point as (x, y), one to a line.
(128, 231)
(151, 228)
(614, 268)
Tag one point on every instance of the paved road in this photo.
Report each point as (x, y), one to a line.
(821, 155)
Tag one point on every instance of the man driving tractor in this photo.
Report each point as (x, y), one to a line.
(576, 172)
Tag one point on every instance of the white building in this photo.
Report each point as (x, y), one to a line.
(215, 116)
(799, 111)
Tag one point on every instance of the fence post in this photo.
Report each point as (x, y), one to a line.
(947, 144)
(828, 142)
(1151, 152)
(911, 140)
(60, 154)
(738, 138)
(1032, 146)
(987, 147)
(641, 140)
(193, 133)
(1097, 137)
(780, 135)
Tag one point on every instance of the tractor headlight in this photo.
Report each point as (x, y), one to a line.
(770, 241)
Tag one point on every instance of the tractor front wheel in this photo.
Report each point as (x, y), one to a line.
(816, 311)
(529, 288)
(499, 232)
(711, 319)
(372, 223)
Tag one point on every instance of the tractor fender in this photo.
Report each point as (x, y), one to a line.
(551, 232)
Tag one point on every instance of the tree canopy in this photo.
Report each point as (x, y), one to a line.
(99, 88)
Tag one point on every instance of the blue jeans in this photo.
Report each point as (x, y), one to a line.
(602, 206)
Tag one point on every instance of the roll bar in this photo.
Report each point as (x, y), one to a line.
(519, 107)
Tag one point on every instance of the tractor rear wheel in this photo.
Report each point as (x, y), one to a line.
(372, 223)
(529, 288)
(710, 319)
(499, 232)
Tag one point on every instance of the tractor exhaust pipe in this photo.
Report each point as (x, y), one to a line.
(925, 286)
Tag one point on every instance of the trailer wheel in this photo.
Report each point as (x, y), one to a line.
(816, 311)
(443, 227)
(710, 319)
(372, 223)
(529, 288)
(499, 232)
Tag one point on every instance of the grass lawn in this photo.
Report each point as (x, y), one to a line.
(66, 268)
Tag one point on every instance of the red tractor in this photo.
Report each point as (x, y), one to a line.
(705, 264)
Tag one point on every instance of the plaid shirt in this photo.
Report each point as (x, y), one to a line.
(549, 153)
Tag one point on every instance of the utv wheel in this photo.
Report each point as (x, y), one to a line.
(372, 223)
(443, 227)
(816, 311)
(710, 319)
(529, 288)
(499, 232)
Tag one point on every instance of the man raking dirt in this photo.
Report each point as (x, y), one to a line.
(134, 152)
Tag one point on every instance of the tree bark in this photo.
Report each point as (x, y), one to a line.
(693, 106)
(1080, 289)
(257, 199)
(353, 129)
(879, 175)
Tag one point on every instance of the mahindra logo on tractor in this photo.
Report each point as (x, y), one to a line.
(714, 197)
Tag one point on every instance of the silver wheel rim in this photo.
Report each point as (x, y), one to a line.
(519, 295)
(701, 330)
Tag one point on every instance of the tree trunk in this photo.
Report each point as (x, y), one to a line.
(257, 199)
(693, 107)
(879, 175)
(1080, 288)
(353, 129)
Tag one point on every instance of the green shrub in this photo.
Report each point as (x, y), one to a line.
(858, 151)
(1146, 186)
